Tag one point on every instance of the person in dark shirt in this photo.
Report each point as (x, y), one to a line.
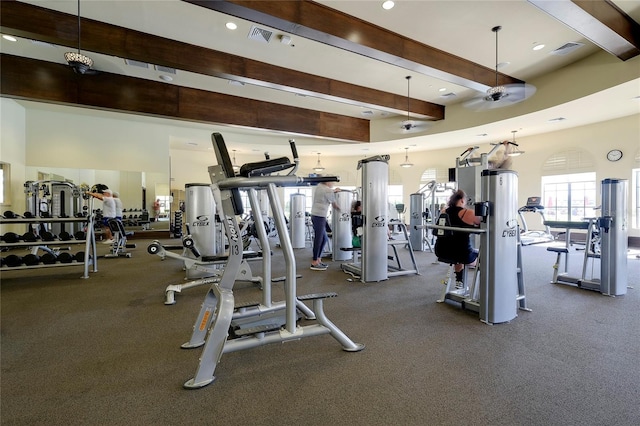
(457, 246)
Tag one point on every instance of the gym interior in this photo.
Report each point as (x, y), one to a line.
(173, 322)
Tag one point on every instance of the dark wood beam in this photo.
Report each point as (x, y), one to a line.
(600, 21)
(323, 24)
(43, 24)
(31, 79)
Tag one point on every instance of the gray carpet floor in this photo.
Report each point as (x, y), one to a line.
(106, 351)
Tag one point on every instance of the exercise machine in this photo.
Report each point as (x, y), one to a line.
(606, 241)
(497, 289)
(528, 237)
(375, 244)
(211, 327)
(424, 208)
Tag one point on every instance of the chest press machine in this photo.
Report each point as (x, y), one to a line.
(211, 327)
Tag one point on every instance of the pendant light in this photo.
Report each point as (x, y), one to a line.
(516, 151)
(406, 163)
(408, 124)
(80, 63)
(235, 166)
(318, 168)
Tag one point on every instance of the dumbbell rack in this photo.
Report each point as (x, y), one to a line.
(90, 252)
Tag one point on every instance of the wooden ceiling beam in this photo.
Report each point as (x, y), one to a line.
(31, 79)
(601, 21)
(317, 22)
(43, 24)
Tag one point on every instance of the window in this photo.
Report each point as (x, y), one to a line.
(5, 183)
(570, 197)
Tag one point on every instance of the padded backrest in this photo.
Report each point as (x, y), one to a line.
(222, 154)
(443, 220)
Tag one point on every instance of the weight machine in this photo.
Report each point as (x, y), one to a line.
(606, 240)
(375, 244)
(497, 289)
(212, 325)
(434, 194)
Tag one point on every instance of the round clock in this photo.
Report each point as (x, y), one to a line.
(614, 155)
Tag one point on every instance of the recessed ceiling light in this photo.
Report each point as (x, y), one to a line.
(388, 5)
(538, 47)
(10, 38)
(503, 64)
(231, 25)
(165, 77)
(442, 89)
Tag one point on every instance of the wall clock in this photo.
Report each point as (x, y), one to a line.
(614, 155)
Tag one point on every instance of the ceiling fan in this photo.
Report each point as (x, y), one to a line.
(409, 125)
(80, 63)
(500, 96)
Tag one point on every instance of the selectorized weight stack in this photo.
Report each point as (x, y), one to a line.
(375, 190)
(416, 209)
(341, 227)
(614, 240)
(200, 209)
(297, 220)
(499, 247)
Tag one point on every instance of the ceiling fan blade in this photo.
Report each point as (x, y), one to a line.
(513, 93)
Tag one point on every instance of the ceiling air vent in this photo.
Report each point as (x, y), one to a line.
(134, 63)
(448, 95)
(566, 49)
(260, 34)
(166, 70)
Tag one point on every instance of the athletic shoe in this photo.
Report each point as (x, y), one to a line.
(108, 242)
(318, 267)
(459, 285)
(324, 265)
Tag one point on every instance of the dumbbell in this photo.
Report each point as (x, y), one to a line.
(31, 259)
(10, 215)
(11, 237)
(65, 236)
(48, 258)
(65, 257)
(79, 256)
(80, 235)
(13, 261)
(29, 237)
(47, 236)
(28, 215)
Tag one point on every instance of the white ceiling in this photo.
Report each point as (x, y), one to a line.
(462, 28)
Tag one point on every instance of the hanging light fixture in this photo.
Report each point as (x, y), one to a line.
(516, 151)
(318, 168)
(80, 63)
(408, 124)
(235, 166)
(406, 163)
(496, 92)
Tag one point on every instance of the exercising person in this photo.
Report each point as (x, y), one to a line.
(108, 212)
(458, 246)
(323, 197)
(118, 201)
